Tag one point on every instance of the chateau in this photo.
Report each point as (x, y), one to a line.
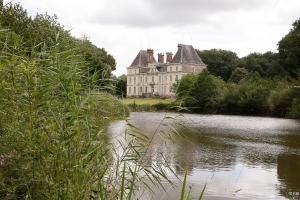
(148, 77)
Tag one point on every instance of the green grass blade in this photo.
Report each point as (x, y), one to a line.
(183, 186)
(123, 182)
(202, 192)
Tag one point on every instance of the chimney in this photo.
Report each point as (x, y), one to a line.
(161, 58)
(149, 55)
(169, 57)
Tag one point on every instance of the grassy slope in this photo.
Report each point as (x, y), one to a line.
(149, 104)
(149, 101)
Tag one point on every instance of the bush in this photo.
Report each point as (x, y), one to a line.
(205, 93)
(249, 97)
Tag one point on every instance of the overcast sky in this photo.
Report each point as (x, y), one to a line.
(123, 27)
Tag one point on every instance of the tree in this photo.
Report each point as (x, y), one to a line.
(204, 96)
(219, 62)
(44, 32)
(248, 97)
(238, 74)
(289, 50)
(266, 64)
(99, 62)
(280, 99)
(184, 86)
(121, 86)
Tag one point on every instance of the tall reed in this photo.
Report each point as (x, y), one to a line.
(52, 131)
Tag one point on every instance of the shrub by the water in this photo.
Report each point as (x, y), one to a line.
(252, 95)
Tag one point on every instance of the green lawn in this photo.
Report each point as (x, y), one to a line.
(148, 101)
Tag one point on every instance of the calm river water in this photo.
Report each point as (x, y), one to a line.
(237, 157)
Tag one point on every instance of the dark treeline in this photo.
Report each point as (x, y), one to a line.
(43, 33)
(258, 84)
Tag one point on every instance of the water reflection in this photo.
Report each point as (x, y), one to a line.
(289, 175)
(238, 157)
(195, 149)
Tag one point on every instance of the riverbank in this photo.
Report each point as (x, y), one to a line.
(150, 104)
(171, 105)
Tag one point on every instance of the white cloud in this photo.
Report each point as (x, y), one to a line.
(125, 27)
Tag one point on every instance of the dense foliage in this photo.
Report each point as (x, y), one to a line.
(257, 84)
(252, 95)
(289, 50)
(219, 62)
(43, 32)
(120, 86)
(266, 64)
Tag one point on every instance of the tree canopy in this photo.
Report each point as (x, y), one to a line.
(219, 62)
(289, 50)
(257, 84)
(44, 32)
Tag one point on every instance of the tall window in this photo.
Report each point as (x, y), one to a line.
(146, 89)
(134, 90)
(176, 68)
(171, 78)
(159, 78)
(141, 79)
(129, 90)
(176, 78)
(141, 89)
(152, 78)
(134, 79)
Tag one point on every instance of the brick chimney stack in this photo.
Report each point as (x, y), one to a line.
(149, 55)
(161, 58)
(169, 57)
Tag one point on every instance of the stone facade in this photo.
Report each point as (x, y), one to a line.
(147, 77)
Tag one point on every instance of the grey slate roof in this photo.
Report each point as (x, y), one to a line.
(141, 59)
(186, 54)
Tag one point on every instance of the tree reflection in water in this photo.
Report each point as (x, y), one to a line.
(288, 170)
